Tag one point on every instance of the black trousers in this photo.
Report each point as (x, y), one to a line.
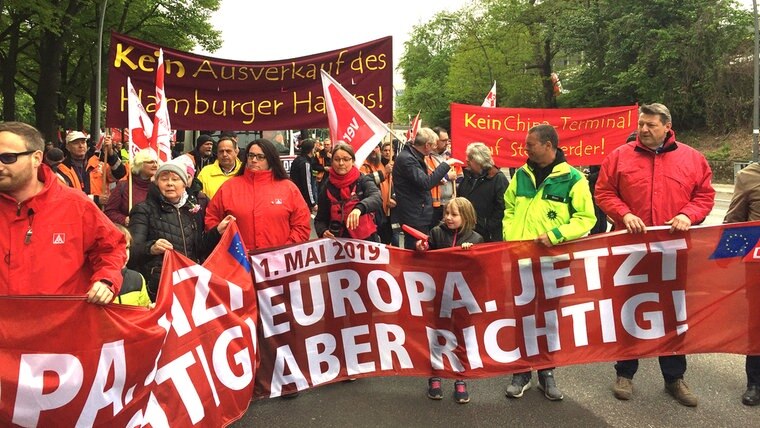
(752, 366)
(673, 367)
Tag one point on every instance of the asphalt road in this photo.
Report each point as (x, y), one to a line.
(717, 379)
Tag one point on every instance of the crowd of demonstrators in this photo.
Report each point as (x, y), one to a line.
(745, 206)
(87, 170)
(202, 154)
(566, 213)
(381, 176)
(226, 166)
(653, 181)
(484, 185)
(412, 184)
(143, 168)
(348, 200)
(390, 230)
(447, 187)
(71, 230)
(456, 229)
(170, 218)
(302, 173)
(268, 207)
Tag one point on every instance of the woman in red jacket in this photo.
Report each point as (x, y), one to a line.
(268, 207)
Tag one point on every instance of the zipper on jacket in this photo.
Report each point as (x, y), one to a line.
(182, 231)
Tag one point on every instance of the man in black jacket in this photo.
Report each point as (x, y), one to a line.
(301, 173)
(414, 204)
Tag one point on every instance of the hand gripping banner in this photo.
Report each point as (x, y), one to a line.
(190, 361)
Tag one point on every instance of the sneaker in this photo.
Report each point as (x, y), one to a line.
(460, 392)
(623, 388)
(751, 396)
(434, 388)
(520, 384)
(680, 391)
(547, 384)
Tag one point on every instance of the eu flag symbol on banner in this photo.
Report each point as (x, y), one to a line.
(736, 242)
(237, 251)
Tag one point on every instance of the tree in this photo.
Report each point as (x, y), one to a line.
(54, 44)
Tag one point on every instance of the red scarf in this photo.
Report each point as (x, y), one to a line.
(344, 182)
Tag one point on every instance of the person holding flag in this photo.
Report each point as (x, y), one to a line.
(348, 200)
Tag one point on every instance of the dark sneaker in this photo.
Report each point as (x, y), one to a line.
(680, 391)
(434, 388)
(520, 384)
(751, 396)
(623, 388)
(460, 392)
(547, 384)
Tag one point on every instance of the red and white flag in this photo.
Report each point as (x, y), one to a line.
(411, 134)
(350, 121)
(490, 100)
(162, 128)
(140, 125)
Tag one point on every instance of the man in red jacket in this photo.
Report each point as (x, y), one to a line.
(655, 181)
(53, 239)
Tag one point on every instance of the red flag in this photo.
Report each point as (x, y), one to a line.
(162, 129)
(140, 125)
(350, 121)
(413, 128)
(490, 100)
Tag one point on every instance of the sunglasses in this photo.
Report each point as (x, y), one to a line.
(9, 158)
(257, 156)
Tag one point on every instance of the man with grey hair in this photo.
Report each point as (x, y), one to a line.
(88, 248)
(414, 204)
(484, 185)
(549, 202)
(655, 181)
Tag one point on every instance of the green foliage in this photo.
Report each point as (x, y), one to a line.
(692, 55)
(48, 49)
(720, 154)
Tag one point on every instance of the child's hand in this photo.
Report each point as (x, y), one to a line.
(466, 245)
(422, 245)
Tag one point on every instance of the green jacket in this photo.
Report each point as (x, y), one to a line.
(562, 206)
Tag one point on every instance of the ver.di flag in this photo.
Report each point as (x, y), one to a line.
(162, 128)
(490, 100)
(350, 121)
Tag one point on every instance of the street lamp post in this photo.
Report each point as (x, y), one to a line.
(98, 72)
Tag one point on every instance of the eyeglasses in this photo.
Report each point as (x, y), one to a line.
(257, 156)
(9, 158)
(344, 160)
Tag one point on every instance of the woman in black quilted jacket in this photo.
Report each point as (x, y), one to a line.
(169, 218)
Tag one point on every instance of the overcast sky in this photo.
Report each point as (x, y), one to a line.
(281, 29)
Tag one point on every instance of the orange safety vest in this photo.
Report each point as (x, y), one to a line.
(94, 168)
(385, 185)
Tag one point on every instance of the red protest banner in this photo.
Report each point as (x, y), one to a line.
(235, 95)
(586, 135)
(333, 309)
(189, 361)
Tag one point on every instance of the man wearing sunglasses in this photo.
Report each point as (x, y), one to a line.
(42, 220)
(87, 173)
